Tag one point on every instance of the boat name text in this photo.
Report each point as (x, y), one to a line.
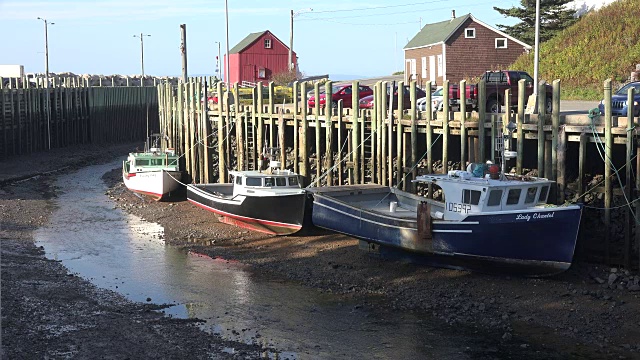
(528, 217)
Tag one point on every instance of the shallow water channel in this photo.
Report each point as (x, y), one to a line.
(124, 253)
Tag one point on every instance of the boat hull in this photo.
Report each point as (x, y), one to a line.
(156, 184)
(538, 241)
(257, 213)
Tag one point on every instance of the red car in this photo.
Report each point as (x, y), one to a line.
(367, 101)
(340, 92)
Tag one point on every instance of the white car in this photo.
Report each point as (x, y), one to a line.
(436, 101)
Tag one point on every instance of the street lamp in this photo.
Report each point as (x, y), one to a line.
(218, 70)
(46, 76)
(294, 14)
(141, 36)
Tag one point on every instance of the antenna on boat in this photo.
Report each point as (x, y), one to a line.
(506, 144)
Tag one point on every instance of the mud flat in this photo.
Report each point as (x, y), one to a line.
(588, 312)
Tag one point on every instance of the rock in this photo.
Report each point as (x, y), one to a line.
(507, 336)
(614, 270)
(635, 287)
(598, 280)
(612, 278)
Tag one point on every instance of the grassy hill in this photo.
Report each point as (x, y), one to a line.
(603, 44)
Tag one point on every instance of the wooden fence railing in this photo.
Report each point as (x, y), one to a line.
(68, 112)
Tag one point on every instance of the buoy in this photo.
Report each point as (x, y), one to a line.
(494, 172)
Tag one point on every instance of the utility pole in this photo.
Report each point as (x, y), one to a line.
(293, 15)
(218, 69)
(46, 76)
(183, 51)
(141, 36)
(226, 59)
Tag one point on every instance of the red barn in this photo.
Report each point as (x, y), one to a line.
(258, 57)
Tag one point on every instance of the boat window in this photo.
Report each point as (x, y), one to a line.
(470, 197)
(293, 180)
(269, 182)
(254, 181)
(514, 196)
(280, 181)
(156, 161)
(173, 162)
(239, 180)
(142, 162)
(495, 196)
(531, 195)
(544, 191)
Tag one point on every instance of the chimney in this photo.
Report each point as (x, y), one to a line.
(453, 14)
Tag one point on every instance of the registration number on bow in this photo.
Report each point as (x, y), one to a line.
(459, 208)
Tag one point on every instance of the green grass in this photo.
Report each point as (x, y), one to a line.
(603, 44)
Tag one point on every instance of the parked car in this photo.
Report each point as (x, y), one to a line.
(367, 101)
(436, 101)
(340, 92)
(619, 100)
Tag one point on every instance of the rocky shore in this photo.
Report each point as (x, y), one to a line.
(589, 311)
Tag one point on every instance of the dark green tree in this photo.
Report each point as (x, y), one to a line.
(554, 17)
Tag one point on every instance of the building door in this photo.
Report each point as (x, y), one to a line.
(432, 69)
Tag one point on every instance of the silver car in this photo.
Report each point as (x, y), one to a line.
(436, 101)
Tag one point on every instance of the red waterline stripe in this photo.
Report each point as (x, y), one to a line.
(244, 218)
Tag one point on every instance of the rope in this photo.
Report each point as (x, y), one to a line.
(600, 146)
(322, 176)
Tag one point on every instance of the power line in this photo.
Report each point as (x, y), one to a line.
(386, 13)
(380, 7)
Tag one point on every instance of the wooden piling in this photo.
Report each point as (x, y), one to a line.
(463, 129)
(445, 126)
(316, 91)
(414, 133)
(541, 117)
(304, 127)
(399, 170)
(296, 151)
(328, 130)
(222, 159)
(482, 118)
(340, 142)
(608, 142)
(520, 122)
(355, 132)
(628, 185)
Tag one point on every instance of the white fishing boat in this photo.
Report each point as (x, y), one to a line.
(154, 172)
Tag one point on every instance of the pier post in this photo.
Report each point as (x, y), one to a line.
(445, 126)
(520, 121)
(542, 94)
(608, 143)
(629, 219)
(296, 110)
(482, 118)
(328, 131)
(304, 126)
(401, 105)
(355, 133)
(414, 135)
(463, 130)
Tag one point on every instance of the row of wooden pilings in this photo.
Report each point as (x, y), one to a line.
(347, 146)
(36, 118)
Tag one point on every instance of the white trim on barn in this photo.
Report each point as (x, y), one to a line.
(424, 46)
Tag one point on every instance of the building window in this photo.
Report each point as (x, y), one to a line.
(439, 65)
(501, 43)
(262, 73)
(424, 67)
(267, 43)
(470, 33)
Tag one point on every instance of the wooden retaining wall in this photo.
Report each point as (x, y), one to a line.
(70, 112)
(391, 148)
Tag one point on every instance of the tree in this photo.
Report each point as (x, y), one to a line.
(555, 16)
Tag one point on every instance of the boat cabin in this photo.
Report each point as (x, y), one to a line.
(273, 181)
(153, 160)
(465, 194)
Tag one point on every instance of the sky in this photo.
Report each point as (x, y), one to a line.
(336, 37)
